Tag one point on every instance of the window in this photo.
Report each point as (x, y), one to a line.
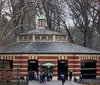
(37, 37)
(20, 37)
(43, 37)
(25, 37)
(56, 37)
(6, 63)
(60, 38)
(63, 37)
(88, 69)
(88, 64)
(30, 37)
(50, 37)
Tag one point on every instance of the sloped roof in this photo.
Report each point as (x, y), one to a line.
(41, 31)
(46, 47)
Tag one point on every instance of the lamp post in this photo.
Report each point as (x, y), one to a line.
(17, 75)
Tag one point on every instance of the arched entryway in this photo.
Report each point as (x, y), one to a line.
(48, 67)
(33, 65)
(62, 68)
(88, 69)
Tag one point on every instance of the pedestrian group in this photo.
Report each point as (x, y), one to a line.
(42, 77)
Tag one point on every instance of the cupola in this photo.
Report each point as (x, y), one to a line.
(40, 34)
(41, 21)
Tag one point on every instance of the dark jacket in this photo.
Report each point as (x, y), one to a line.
(63, 79)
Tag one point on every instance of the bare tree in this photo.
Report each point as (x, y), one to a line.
(84, 17)
(22, 13)
(55, 16)
(20, 16)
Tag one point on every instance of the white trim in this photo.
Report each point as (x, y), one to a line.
(98, 72)
(33, 37)
(18, 38)
(55, 68)
(55, 72)
(76, 72)
(81, 55)
(74, 64)
(88, 68)
(7, 57)
(66, 38)
(73, 60)
(98, 64)
(20, 68)
(21, 64)
(54, 38)
(74, 68)
(21, 60)
(51, 55)
(97, 76)
(23, 72)
(32, 57)
(97, 68)
(54, 78)
(73, 77)
(47, 60)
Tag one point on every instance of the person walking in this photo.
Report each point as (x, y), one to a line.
(35, 76)
(70, 75)
(63, 80)
(27, 78)
(43, 76)
(80, 78)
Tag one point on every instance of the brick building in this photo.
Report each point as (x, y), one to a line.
(45, 50)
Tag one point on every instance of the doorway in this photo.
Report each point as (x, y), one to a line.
(62, 69)
(88, 69)
(33, 65)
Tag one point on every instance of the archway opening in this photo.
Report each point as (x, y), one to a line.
(62, 69)
(33, 65)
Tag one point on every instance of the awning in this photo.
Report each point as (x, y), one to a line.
(48, 64)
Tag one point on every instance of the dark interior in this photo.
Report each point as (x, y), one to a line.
(88, 69)
(33, 65)
(62, 69)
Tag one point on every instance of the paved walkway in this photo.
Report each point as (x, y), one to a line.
(54, 83)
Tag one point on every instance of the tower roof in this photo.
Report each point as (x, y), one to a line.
(42, 17)
(41, 31)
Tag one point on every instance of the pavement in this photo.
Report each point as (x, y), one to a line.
(54, 83)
